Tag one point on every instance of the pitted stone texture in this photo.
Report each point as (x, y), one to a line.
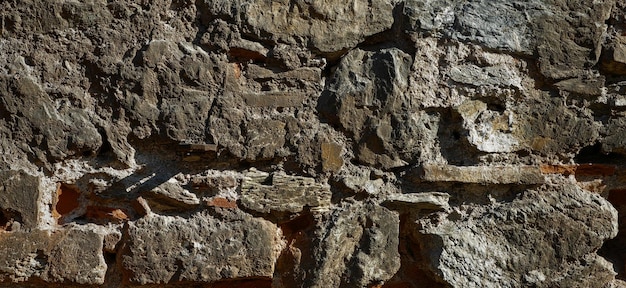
(20, 195)
(367, 97)
(565, 45)
(74, 256)
(481, 174)
(202, 248)
(546, 237)
(278, 192)
(357, 247)
(316, 21)
(55, 133)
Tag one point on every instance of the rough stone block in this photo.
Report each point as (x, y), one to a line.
(481, 174)
(279, 192)
(202, 248)
(343, 258)
(20, 195)
(331, 156)
(548, 237)
(274, 99)
(418, 201)
(68, 256)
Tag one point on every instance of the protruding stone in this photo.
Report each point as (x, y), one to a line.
(481, 174)
(202, 248)
(431, 201)
(20, 196)
(331, 156)
(278, 192)
(615, 60)
(170, 196)
(537, 238)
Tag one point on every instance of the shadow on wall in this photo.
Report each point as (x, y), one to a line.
(453, 139)
(96, 198)
(609, 170)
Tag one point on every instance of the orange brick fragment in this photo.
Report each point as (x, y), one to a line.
(222, 203)
(106, 214)
(558, 169)
(595, 170)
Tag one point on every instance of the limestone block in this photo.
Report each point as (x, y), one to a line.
(20, 195)
(547, 237)
(341, 261)
(202, 248)
(481, 174)
(73, 255)
(279, 192)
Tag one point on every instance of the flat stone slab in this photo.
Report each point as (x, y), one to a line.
(481, 174)
(279, 192)
(418, 201)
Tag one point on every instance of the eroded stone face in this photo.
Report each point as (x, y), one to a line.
(315, 21)
(202, 248)
(545, 237)
(265, 193)
(73, 256)
(249, 143)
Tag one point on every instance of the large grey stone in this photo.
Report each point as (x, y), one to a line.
(202, 248)
(314, 21)
(358, 246)
(546, 237)
(367, 97)
(20, 197)
(73, 256)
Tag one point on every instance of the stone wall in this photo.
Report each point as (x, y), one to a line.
(249, 143)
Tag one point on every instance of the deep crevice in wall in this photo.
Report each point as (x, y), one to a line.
(594, 154)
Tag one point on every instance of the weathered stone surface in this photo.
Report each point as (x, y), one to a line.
(366, 98)
(546, 237)
(315, 21)
(20, 194)
(418, 201)
(73, 256)
(481, 174)
(273, 99)
(544, 27)
(202, 248)
(331, 156)
(615, 61)
(340, 264)
(491, 75)
(278, 192)
(170, 196)
(489, 131)
(55, 133)
(139, 128)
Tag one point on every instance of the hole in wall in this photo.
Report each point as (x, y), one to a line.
(594, 154)
(67, 199)
(614, 250)
(5, 221)
(9, 218)
(413, 272)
